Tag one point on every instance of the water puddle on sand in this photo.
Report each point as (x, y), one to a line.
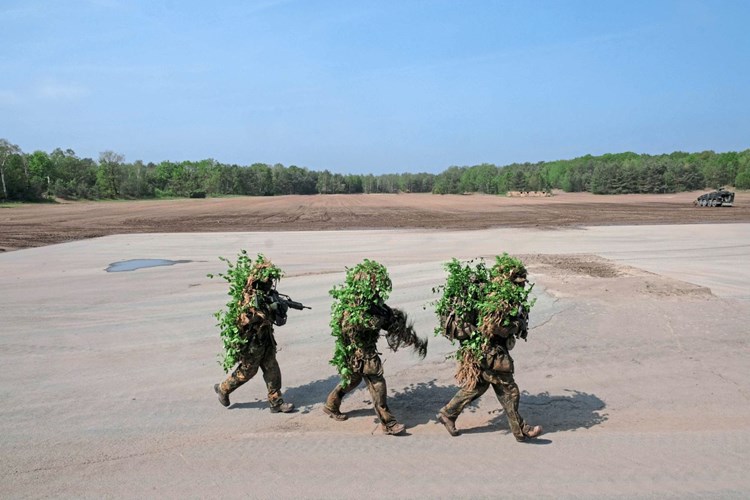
(134, 264)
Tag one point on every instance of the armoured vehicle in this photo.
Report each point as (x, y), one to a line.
(719, 198)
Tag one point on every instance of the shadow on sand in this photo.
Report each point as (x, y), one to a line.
(257, 404)
(307, 395)
(303, 396)
(567, 412)
(419, 403)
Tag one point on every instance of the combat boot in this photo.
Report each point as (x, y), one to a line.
(394, 429)
(282, 408)
(334, 414)
(530, 432)
(449, 423)
(223, 398)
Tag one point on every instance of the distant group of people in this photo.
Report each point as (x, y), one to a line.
(358, 315)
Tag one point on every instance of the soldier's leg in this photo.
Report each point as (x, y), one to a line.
(272, 377)
(463, 398)
(378, 392)
(372, 372)
(244, 372)
(509, 396)
(450, 412)
(333, 402)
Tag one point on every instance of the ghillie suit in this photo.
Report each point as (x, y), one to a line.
(401, 332)
(485, 310)
(358, 314)
(247, 328)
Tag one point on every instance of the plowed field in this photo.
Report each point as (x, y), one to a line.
(31, 225)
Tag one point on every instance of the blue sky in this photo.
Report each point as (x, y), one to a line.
(374, 86)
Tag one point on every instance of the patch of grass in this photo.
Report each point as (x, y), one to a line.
(16, 204)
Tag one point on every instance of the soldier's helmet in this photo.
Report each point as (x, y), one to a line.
(264, 274)
(369, 280)
(510, 269)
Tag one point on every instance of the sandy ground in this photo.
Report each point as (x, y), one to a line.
(636, 365)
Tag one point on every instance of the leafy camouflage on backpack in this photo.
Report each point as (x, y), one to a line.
(478, 302)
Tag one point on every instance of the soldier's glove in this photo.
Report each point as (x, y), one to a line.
(278, 311)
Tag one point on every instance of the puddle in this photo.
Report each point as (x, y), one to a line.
(134, 264)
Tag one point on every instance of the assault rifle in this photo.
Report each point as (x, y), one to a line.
(275, 296)
(280, 303)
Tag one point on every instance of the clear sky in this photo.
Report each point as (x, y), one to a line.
(374, 86)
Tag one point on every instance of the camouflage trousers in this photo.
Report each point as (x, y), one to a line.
(257, 355)
(370, 369)
(506, 391)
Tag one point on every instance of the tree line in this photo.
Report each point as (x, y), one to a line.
(63, 174)
(606, 174)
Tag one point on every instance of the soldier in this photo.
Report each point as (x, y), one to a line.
(486, 334)
(358, 314)
(258, 312)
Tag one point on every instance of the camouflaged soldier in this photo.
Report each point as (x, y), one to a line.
(259, 313)
(499, 328)
(359, 313)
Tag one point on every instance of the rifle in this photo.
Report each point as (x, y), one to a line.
(275, 296)
(280, 303)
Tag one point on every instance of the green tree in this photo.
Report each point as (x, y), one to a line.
(262, 180)
(7, 152)
(601, 179)
(42, 171)
(742, 179)
(353, 184)
(449, 182)
(229, 180)
(74, 177)
(302, 180)
(109, 174)
(137, 180)
(325, 182)
(518, 180)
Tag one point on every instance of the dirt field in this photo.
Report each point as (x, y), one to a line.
(24, 226)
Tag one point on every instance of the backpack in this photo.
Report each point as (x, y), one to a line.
(455, 329)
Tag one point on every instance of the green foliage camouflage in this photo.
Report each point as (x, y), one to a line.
(366, 284)
(240, 275)
(484, 297)
(505, 293)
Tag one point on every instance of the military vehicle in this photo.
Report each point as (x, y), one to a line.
(719, 198)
